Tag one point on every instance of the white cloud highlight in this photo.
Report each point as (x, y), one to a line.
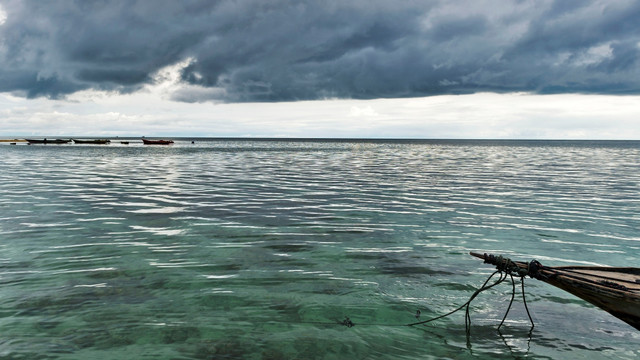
(483, 115)
(3, 15)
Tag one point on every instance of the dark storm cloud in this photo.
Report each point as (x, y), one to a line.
(292, 50)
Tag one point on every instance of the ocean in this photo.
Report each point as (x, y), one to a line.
(262, 248)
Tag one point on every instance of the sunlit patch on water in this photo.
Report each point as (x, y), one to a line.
(159, 231)
(158, 210)
(100, 285)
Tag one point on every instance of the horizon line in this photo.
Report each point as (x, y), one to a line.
(297, 138)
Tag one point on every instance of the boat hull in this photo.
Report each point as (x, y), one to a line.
(99, 141)
(157, 142)
(47, 141)
(619, 300)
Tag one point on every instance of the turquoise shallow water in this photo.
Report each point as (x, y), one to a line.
(257, 249)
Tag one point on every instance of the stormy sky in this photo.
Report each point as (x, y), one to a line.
(69, 54)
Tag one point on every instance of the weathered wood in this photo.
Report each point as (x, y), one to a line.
(157, 142)
(613, 289)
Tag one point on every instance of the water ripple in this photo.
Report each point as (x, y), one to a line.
(199, 249)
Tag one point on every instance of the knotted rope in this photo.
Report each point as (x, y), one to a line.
(511, 268)
(505, 268)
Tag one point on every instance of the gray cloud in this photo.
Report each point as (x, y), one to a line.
(297, 50)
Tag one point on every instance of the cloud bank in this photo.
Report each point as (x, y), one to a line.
(271, 51)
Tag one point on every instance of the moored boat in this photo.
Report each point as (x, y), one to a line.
(94, 141)
(157, 142)
(47, 141)
(613, 289)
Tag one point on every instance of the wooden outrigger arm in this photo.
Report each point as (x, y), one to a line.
(613, 289)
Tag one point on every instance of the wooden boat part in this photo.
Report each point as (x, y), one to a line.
(96, 141)
(157, 142)
(613, 289)
(47, 141)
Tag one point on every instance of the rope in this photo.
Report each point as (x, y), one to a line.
(513, 295)
(524, 300)
(483, 288)
(509, 267)
(505, 269)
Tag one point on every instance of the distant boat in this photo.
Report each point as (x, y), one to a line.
(157, 142)
(616, 290)
(124, 142)
(96, 141)
(47, 141)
